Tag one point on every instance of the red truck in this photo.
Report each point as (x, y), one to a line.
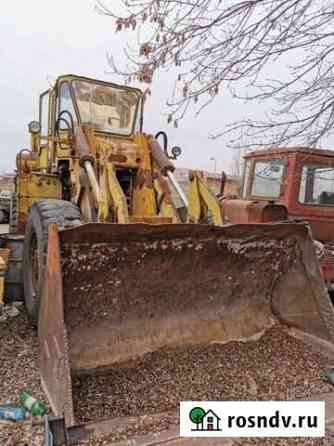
(290, 183)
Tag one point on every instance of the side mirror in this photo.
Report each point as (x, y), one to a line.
(34, 127)
(175, 151)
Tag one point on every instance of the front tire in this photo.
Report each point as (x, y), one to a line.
(42, 213)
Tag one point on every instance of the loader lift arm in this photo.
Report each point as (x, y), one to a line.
(203, 204)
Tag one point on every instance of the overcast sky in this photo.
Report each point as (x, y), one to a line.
(42, 39)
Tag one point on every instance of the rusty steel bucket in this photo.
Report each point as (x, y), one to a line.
(115, 292)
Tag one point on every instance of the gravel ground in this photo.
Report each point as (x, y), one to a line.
(21, 434)
(18, 356)
(234, 371)
(153, 386)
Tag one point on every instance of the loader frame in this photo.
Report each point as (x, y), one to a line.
(125, 273)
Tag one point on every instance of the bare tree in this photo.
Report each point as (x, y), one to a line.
(237, 163)
(259, 50)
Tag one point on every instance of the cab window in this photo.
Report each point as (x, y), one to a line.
(107, 108)
(317, 185)
(268, 178)
(66, 105)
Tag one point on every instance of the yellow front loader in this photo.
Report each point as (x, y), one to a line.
(114, 269)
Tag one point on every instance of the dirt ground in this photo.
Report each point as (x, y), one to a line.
(277, 367)
(19, 371)
(153, 386)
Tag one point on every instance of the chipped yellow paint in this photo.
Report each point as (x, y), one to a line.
(34, 187)
(143, 200)
(202, 201)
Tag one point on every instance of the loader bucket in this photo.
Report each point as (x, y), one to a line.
(115, 292)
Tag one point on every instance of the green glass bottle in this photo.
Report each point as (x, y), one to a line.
(35, 407)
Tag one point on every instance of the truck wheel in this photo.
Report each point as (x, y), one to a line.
(43, 213)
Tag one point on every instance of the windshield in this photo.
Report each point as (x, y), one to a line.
(317, 185)
(106, 108)
(268, 176)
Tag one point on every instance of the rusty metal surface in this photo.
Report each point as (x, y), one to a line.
(319, 216)
(249, 211)
(160, 157)
(109, 232)
(114, 292)
(132, 289)
(53, 342)
(170, 437)
(85, 431)
(327, 262)
(63, 435)
(154, 220)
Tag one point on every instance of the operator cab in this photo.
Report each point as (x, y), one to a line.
(301, 178)
(268, 175)
(113, 113)
(101, 119)
(105, 107)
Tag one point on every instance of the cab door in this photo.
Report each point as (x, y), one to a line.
(65, 122)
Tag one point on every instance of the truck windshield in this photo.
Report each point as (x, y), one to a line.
(268, 176)
(106, 108)
(317, 185)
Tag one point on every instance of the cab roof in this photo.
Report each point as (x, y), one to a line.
(285, 151)
(70, 77)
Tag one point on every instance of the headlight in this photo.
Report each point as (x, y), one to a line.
(176, 151)
(34, 127)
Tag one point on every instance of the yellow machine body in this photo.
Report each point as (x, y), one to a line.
(131, 272)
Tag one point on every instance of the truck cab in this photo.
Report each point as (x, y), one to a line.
(301, 179)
